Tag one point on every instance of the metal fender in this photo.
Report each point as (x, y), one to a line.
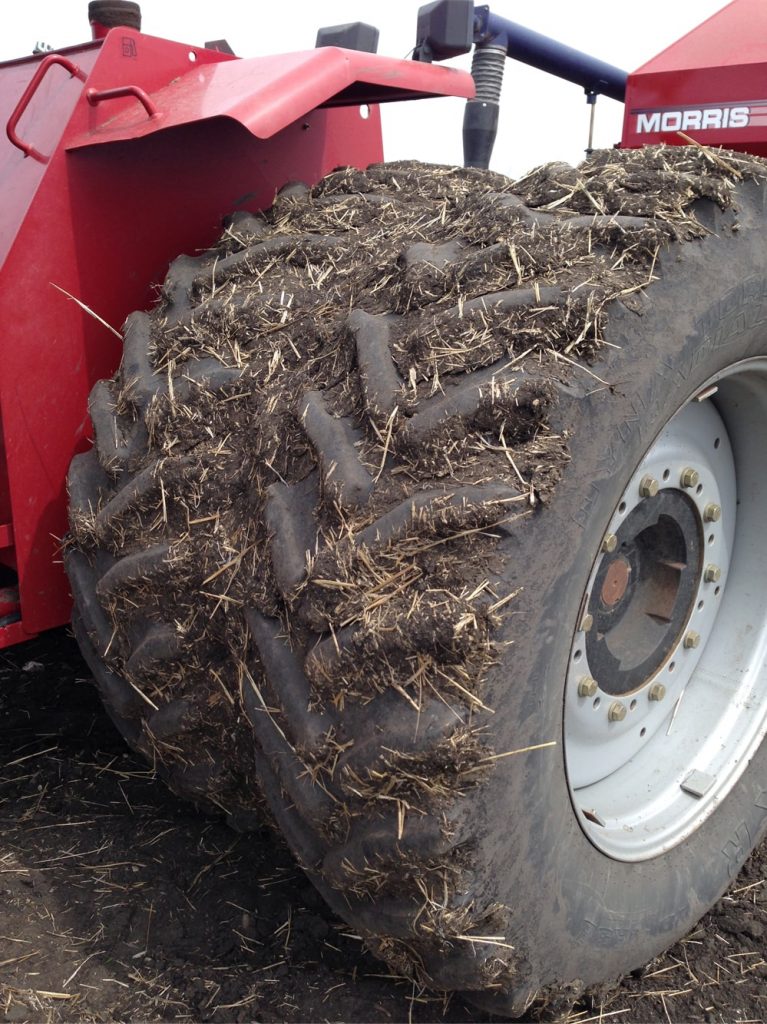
(266, 94)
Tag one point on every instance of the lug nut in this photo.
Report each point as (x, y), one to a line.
(586, 622)
(689, 477)
(587, 687)
(648, 487)
(617, 711)
(712, 513)
(712, 574)
(610, 543)
(657, 691)
(691, 639)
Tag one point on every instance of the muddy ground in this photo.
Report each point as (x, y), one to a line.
(121, 903)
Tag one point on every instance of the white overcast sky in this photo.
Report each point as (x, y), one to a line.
(542, 118)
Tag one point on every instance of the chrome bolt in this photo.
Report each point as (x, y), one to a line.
(648, 487)
(587, 687)
(610, 543)
(689, 477)
(617, 711)
(657, 691)
(586, 623)
(691, 639)
(712, 513)
(712, 574)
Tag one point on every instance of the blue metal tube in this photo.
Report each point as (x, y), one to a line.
(548, 55)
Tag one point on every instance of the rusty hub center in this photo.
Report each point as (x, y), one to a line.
(616, 581)
(643, 594)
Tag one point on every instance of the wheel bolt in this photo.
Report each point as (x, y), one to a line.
(691, 639)
(610, 543)
(586, 622)
(689, 477)
(712, 574)
(648, 487)
(712, 513)
(657, 691)
(617, 711)
(587, 687)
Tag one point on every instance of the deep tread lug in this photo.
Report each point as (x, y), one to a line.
(308, 728)
(381, 384)
(271, 248)
(312, 802)
(464, 400)
(114, 451)
(121, 701)
(92, 618)
(292, 531)
(133, 567)
(344, 477)
(160, 643)
(136, 372)
(406, 515)
(143, 484)
(172, 720)
(86, 483)
(373, 845)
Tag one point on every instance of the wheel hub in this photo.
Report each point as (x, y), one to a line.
(643, 593)
(615, 583)
(666, 693)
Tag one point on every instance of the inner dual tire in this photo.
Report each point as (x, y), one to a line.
(394, 507)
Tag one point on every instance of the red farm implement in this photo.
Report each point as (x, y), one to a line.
(424, 505)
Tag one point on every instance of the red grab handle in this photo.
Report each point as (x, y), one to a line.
(94, 97)
(45, 65)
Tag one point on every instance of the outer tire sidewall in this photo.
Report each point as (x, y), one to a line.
(574, 913)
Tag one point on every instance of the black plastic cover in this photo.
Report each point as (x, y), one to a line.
(445, 29)
(115, 13)
(354, 36)
(221, 45)
(480, 127)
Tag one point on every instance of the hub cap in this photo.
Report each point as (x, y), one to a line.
(666, 695)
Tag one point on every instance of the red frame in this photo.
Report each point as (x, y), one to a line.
(128, 168)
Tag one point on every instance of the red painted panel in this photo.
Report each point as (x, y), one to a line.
(105, 223)
(735, 35)
(711, 85)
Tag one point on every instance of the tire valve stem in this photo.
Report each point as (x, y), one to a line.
(617, 711)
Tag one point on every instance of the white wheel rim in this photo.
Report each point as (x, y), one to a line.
(691, 722)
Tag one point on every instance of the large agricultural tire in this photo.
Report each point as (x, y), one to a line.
(401, 501)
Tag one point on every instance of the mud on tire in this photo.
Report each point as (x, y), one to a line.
(324, 537)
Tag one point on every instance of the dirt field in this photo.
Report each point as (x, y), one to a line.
(120, 903)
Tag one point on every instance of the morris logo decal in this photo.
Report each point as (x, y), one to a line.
(709, 117)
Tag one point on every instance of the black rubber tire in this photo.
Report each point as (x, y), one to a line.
(402, 584)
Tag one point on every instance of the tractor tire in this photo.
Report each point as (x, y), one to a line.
(415, 500)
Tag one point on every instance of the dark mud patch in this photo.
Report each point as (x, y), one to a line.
(119, 902)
